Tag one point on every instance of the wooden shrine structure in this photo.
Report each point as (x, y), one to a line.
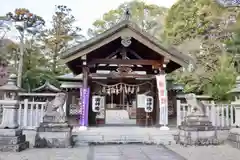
(120, 65)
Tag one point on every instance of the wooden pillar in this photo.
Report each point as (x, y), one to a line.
(163, 110)
(85, 86)
(166, 61)
(84, 91)
(156, 103)
(85, 77)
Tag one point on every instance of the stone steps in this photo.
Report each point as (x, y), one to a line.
(14, 147)
(124, 137)
(12, 140)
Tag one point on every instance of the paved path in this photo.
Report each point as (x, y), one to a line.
(132, 152)
(125, 134)
(127, 152)
(106, 152)
(221, 152)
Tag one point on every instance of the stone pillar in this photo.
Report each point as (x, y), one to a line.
(11, 138)
(237, 115)
(234, 134)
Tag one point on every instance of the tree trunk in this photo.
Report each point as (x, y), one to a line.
(54, 65)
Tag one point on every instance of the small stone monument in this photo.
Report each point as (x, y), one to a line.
(196, 129)
(54, 131)
(11, 138)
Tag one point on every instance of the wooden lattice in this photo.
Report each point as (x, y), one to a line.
(74, 109)
(4, 74)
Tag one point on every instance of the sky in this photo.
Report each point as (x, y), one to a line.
(85, 11)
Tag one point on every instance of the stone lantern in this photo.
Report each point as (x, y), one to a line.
(9, 103)
(11, 137)
(236, 92)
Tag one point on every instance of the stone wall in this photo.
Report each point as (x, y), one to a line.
(234, 138)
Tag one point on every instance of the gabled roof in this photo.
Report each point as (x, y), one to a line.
(171, 53)
(70, 76)
(47, 86)
(66, 85)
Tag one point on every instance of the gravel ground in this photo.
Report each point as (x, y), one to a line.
(222, 152)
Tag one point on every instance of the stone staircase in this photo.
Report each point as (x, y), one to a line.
(123, 135)
(119, 117)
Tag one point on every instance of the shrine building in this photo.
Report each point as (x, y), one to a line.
(114, 73)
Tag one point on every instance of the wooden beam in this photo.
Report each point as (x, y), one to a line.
(134, 68)
(134, 54)
(122, 75)
(126, 61)
(113, 53)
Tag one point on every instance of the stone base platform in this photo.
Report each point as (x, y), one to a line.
(199, 138)
(234, 138)
(54, 136)
(12, 140)
(197, 130)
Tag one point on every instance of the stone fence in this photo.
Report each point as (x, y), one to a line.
(221, 115)
(29, 114)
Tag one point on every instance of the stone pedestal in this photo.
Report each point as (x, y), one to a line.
(54, 135)
(54, 132)
(197, 130)
(234, 138)
(12, 140)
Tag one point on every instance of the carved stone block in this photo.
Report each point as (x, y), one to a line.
(10, 132)
(234, 137)
(48, 118)
(14, 147)
(12, 140)
(54, 136)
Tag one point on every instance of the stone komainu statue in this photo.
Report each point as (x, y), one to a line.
(54, 109)
(197, 107)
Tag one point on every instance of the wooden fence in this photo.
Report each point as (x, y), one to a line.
(221, 115)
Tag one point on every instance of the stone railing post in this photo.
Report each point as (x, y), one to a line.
(234, 134)
(237, 115)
